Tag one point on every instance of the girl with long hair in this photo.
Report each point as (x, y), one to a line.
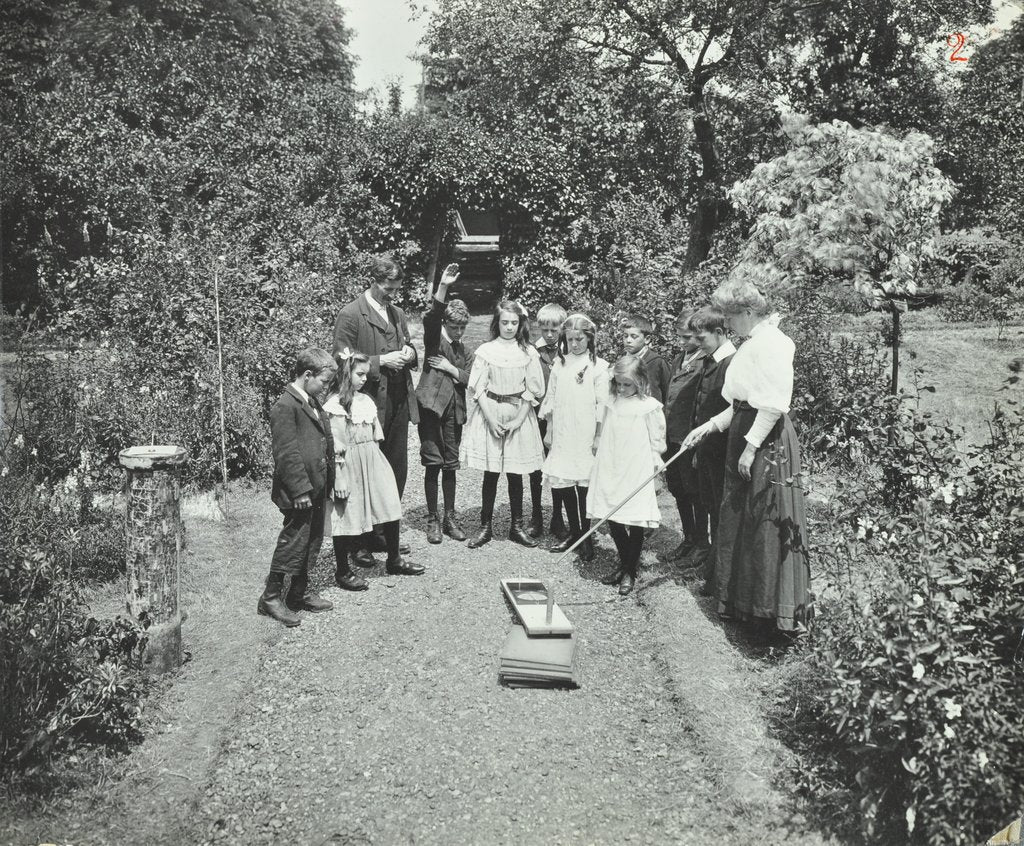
(574, 405)
(505, 383)
(365, 491)
(629, 450)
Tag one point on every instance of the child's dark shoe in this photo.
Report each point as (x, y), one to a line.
(452, 528)
(400, 567)
(484, 536)
(363, 558)
(516, 534)
(348, 580)
(433, 529)
(626, 585)
(563, 545)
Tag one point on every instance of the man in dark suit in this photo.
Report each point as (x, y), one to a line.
(441, 393)
(303, 484)
(373, 325)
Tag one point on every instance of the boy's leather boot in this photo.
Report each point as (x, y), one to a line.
(452, 528)
(518, 535)
(433, 529)
(271, 604)
(484, 536)
(303, 598)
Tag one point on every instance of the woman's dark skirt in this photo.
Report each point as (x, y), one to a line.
(762, 569)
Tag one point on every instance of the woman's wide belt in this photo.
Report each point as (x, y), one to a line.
(738, 405)
(504, 397)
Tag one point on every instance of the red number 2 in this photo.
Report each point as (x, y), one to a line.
(956, 41)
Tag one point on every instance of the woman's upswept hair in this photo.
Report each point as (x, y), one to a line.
(523, 332)
(736, 295)
(343, 379)
(579, 323)
(631, 367)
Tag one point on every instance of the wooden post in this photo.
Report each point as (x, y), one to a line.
(153, 549)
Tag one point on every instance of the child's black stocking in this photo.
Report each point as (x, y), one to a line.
(621, 537)
(567, 497)
(488, 493)
(341, 548)
(448, 487)
(430, 475)
(536, 490)
(390, 531)
(636, 547)
(581, 498)
(515, 496)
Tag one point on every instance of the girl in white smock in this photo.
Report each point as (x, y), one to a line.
(629, 450)
(501, 435)
(365, 491)
(574, 405)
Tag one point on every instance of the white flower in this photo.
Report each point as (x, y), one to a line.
(35, 452)
(982, 759)
(3, 472)
(918, 671)
(19, 441)
(952, 708)
(949, 732)
(911, 819)
(916, 601)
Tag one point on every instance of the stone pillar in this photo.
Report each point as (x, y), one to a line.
(154, 547)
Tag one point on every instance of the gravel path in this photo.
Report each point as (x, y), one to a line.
(382, 722)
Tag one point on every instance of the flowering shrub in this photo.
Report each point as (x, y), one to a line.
(64, 677)
(916, 650)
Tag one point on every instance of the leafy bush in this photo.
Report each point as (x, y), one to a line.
(916, 648)
(64, 677)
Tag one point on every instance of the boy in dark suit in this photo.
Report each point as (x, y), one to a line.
(708, 327)
(636, 340)
(441, 394)
(303, 483)
(680, 477)
(549, 321)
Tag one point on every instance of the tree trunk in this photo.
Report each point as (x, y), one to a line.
(704, 222)
(894, 384)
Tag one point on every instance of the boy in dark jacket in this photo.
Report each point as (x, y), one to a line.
(680, 477)
(303, 483)
(549, 321)
(637, 333)
(708, 327)
(441, 394)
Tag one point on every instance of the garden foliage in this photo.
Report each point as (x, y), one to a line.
(914, 662)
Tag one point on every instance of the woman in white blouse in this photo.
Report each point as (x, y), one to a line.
(761, 569)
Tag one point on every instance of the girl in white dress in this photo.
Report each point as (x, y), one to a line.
(573, 405)
(629, 450)
(365, 491)
(501, 434)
